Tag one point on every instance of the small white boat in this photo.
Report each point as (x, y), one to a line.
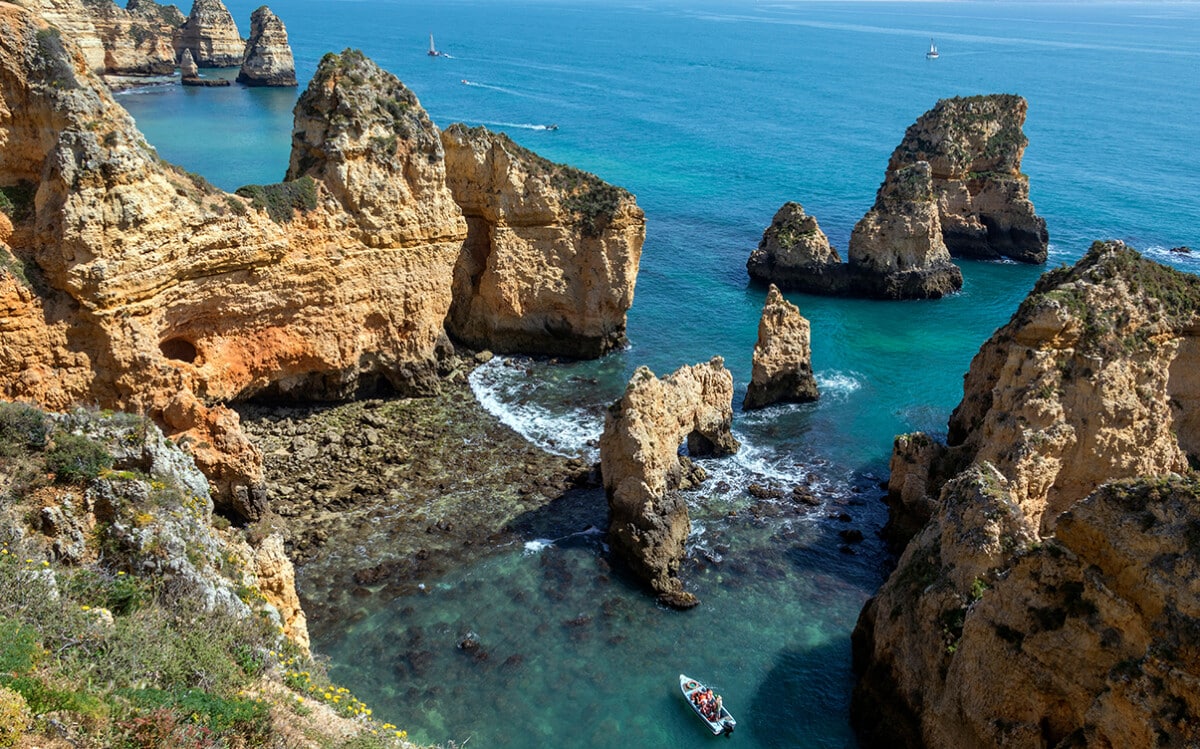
(932, 54)
(707, 705)
(433, 51)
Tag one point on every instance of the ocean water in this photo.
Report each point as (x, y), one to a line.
(714, 114)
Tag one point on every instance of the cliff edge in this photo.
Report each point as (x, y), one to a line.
(1048, 595)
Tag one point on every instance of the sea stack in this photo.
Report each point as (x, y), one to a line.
(267, 60)
(551, 255)
(794, 253)
(974, 147)
(1047, 594)
(897, 246)
(642, 470)
(212, 36)
(782, 370)
(187, 66)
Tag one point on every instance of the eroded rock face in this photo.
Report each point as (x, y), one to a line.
(212, 36)
(551, 255)
(974, 146)
(187, 66)
(782, 370)
(276, 579)
(899, 241)
(642, 470)
(138, 40)
(793, 250)
(267, 60)
(149, 291)
(1037, 603)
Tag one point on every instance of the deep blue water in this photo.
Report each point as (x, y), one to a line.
(714, 114)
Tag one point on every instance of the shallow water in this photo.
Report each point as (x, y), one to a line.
(714, 114)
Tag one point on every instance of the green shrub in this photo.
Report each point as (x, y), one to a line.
(248, 720)
(14, 717)
(75, 458)
(43, 697)
(282, 199)
(22, 427)
(19, 647)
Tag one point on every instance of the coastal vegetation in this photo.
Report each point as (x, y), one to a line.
(282, 199)
(114, 630)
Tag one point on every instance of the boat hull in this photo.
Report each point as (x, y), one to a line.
(724, 723)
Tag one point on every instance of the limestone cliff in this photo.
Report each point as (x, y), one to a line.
(898, 243)
(138, 41)
(143, 288)
(187, 66)
(1048, 597)
(71, 17)
(212, 36)
(642, 471)
(267, 60)
(551, 254)
(782, 367)
(974, 145)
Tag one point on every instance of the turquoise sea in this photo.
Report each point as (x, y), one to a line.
(714, 114)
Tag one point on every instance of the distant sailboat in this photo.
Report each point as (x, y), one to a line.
(932, 54)
(433, 52)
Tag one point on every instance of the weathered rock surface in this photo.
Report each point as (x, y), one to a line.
(551, 255)
(794, 252)
(896, 249)
(187, 66)
(782, 369)
(1038, 603)
(974, 146)
(157, 293)
(212, 36)
(133, 41)
(267, 60)
(641, 468)
(898, 244)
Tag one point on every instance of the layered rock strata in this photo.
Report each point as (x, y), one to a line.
(212, 36)
(187, 66)
(974, 146)
(138, 40)
(583, 235)
(782, 367)
(267, 60)
(642, 470)
(1048, 597)
(896, 249)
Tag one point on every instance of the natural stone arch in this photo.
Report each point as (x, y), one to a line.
(639, 458)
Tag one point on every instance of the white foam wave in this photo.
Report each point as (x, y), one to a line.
(838, 384)
(498, 389)
(536, 545)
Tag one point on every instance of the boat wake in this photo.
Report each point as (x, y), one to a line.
(518, 125)
(538, 544)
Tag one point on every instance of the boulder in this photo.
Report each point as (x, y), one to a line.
(782, 370)
(267, 60)
(212, 36)
(551, 254)
(641, 469)
(974, 146)
(1048, 596)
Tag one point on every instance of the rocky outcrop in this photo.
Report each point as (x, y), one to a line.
(138, 41)
(896, 249)
(276, 580)
(1047, 597)
(974, 146)
(148, 290)
(642, 470)
(187, 66)
(267, 60)
(794, 252)
(898, 245)
(782, 370)
(551, 254)
(71, 17)
(212, 36)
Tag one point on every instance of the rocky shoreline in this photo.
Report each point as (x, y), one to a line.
(411, 486)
